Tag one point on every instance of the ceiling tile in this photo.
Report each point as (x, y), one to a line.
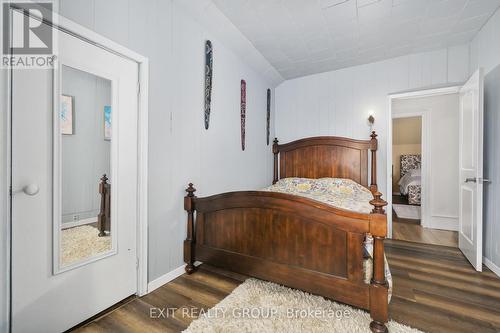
(301, 37)
(343, 11)
(473, 23)
(445, 8)
(480, 7)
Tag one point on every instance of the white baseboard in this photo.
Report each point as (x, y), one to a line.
(166, 278)
(79, 223)
(443, 222)
(494, 268)
(158, 282)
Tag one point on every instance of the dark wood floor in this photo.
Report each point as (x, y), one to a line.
(410, 230)
(435, 290)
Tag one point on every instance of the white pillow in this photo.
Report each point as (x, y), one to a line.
(415, 172)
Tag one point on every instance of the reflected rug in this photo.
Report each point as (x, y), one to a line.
(82, 242)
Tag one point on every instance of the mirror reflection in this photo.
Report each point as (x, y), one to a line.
(85, 129)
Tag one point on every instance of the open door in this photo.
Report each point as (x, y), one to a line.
(470, 230)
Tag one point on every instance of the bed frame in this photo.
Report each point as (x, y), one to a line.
(295, 241)
(104, 216)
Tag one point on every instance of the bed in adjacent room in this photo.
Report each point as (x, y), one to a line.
(410, 183)
(319, 228)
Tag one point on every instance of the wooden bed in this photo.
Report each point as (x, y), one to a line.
(296, 241)
(104, 216)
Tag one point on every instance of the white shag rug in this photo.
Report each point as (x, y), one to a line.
(82, 242)
(407, 211)
(261, 307)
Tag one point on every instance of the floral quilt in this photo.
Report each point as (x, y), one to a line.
(338, 192)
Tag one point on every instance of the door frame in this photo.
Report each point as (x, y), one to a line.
(425, 145)
(63, 24)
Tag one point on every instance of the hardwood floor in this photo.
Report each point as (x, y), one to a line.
(412, 231)
(435, 290)
(419, 234)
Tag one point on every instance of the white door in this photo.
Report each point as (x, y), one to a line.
(63, 273)
(470, 233)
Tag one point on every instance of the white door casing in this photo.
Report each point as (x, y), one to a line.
(470, 232)
(42, 301)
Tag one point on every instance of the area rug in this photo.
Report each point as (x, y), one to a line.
(82, 242)
(259, 306)
(407, 211)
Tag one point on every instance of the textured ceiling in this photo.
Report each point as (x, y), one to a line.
(302, 37)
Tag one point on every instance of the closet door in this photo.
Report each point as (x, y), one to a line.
(74, 248)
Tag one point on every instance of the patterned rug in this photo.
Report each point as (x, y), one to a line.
(407, 211)
(82, 242)
(259, 306)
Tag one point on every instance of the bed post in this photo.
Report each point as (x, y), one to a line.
(275, 152)
(101, 217)
(373, 148)
(189, 242)
(378, 284)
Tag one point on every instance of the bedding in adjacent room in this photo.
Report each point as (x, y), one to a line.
(410, 181)
(412, 177)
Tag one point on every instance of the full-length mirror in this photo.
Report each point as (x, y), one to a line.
(85, 131)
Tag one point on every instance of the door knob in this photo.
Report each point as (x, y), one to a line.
(471, 180)
(484, 180)
(30, 189)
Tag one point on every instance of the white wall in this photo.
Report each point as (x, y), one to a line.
(441, 152)
(337, 102)
(180, 149)
(485, 53)
(85, 153)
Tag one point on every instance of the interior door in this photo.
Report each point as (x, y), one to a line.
(470, 233)
(86, 106)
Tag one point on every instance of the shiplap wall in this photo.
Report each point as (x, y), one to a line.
(485, 53)
(180, 149)
(338, 102)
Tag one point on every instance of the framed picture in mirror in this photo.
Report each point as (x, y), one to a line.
(67, 115)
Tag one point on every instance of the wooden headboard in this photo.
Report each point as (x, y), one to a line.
(327, 156)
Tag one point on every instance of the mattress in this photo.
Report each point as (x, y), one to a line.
(413, 177)
(411, 185)
(340, 193)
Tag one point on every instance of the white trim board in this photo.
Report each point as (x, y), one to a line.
(166, 278)
(73, 224)
(443, 222)
(491, 265)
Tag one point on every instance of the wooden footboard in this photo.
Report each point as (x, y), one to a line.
(290, 240)
(296, 241)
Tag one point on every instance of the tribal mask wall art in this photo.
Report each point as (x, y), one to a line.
(243, 107)
(268, 116)
(208, 80)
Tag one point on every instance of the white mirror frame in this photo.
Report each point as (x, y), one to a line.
(57, 168)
